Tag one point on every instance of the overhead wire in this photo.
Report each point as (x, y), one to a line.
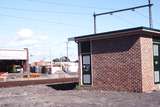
(43, 11)
(127, 21)
(56, 3)
(38, 20)
(146, 17)
(68, 5)
(142, 15)
(123, 19)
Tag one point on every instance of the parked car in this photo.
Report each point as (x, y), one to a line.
(15, 69)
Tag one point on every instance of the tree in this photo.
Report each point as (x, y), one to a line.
(56, 60)
(64, 59)
(61, 59)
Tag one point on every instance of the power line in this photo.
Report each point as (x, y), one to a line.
(122, 10)
(38, 20)
(68, 5)
(123, 19)
(142, 15)
(43, 11)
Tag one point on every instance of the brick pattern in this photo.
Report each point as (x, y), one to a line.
(116, 64)
(147, 64)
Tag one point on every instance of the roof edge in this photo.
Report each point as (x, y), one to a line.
(141, 28)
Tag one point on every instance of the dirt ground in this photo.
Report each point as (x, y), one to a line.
(44, 96)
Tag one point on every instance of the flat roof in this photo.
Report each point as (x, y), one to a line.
(119, 33)
(11, 54)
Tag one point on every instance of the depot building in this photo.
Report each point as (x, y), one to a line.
(121, 60)
(12, 61)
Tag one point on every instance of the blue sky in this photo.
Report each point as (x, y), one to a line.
(43, 26)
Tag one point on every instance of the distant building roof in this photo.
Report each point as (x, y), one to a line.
(119, 33)
(10, 54)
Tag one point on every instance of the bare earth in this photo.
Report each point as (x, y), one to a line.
(43, 96)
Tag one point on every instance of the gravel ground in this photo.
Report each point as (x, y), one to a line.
(43, 96)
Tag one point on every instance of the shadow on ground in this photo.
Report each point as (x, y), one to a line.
(66, 86)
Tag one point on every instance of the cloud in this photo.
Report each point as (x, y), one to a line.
(24, 34)
(27, 38)
(38, 43)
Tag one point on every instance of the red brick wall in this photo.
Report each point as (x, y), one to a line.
(147, 63)
(116, 64)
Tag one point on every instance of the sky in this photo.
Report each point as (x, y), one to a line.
(43, 26)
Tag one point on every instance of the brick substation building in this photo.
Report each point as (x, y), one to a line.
(122, 60)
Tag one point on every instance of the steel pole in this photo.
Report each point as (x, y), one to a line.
(94, 15)
(150, 14)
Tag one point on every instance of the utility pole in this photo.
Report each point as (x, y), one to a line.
(67, 49)
(126, 9)
(150, 14)
(94, 16)
(50, 55)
